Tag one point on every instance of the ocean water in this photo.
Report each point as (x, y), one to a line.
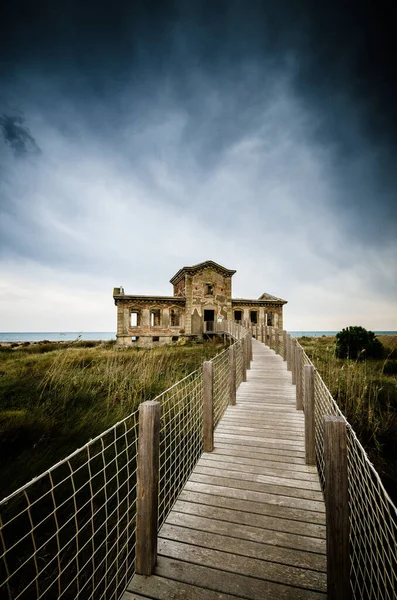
(70, 336)
(56, 336)
(321, 333)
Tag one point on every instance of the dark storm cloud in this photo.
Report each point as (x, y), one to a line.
(165, 92)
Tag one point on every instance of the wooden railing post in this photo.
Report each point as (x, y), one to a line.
(293, 368)
(298, 368)
(244, 357)
(270, 329)
(251, 350)
(288, 352)
(276, 342)
(232, 379)
(262, 335)
(147, 487)
(208, 406)
(265, 333)
(284, 344)
(310, 434)
(248, 348)
(337, 508)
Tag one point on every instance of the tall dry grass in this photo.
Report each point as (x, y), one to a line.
(54, 398)
(366, 392)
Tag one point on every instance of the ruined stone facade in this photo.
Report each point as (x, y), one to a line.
(202, 297)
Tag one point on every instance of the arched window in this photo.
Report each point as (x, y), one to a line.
(175, 317)
(135, 317)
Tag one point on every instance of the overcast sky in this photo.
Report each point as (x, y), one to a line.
(139, 137)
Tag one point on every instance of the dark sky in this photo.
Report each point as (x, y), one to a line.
(259, 134)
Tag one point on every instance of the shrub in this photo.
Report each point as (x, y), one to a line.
(390, 367)
(357, 343)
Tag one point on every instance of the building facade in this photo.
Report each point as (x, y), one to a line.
(201, 298)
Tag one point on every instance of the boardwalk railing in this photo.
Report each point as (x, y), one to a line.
(71, 532)
(371, 515)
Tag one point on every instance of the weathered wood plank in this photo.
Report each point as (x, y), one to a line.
(266, 453)
(223, 526)
(261, 467)
(250, 473)
(243, 586)
(162, 588)
(254, 567)
(250, 482)
(220, 540)
(314, 510)
(244, 511)
(255, 457)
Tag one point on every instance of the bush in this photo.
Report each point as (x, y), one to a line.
(390, 367)
(357, 343)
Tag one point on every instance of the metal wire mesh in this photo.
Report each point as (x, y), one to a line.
(372, 515)
(239, 363)
(181, 438)
(221, 384)
(71, 532)
(373, 525)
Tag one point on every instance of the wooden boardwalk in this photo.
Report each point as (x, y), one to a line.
(250, 522)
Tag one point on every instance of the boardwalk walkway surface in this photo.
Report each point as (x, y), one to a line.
(250, 522)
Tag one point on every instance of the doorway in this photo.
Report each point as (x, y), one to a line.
(209, 321)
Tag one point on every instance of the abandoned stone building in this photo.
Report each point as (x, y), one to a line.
(202, 298)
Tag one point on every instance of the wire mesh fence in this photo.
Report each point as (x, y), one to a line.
(71, 532)
(372, 514)
(181, 438)
(221, 389)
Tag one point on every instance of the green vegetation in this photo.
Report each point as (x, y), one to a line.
(55, 397)
(366, 391)
(358, 344)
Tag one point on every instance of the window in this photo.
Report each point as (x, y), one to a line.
(269, 319)
(254, 316)
(174, 315)
(155, 338)
(238, 315)
(155, 317)
(175, 338)
(135, 318)
(134, 338)
(209, 289)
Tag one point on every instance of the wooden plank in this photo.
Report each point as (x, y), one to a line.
(249, 473)
(287, 429)
(244, 531)
(312, 510)
(234, 563)
(268, 436)
(243, 511)
(162, 588)
(243, 586)
(241, 450)
(262, 467)
(132, 596)
(252, 482)
(242, 546)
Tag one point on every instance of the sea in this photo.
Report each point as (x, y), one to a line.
(70, 336)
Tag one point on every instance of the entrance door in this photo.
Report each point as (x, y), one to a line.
(209, 321)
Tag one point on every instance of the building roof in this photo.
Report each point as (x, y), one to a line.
(208, 264)
(268, 299)
(154, 299)
(266, 296)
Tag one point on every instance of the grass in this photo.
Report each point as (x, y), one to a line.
(55, 397)
(366, 391)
